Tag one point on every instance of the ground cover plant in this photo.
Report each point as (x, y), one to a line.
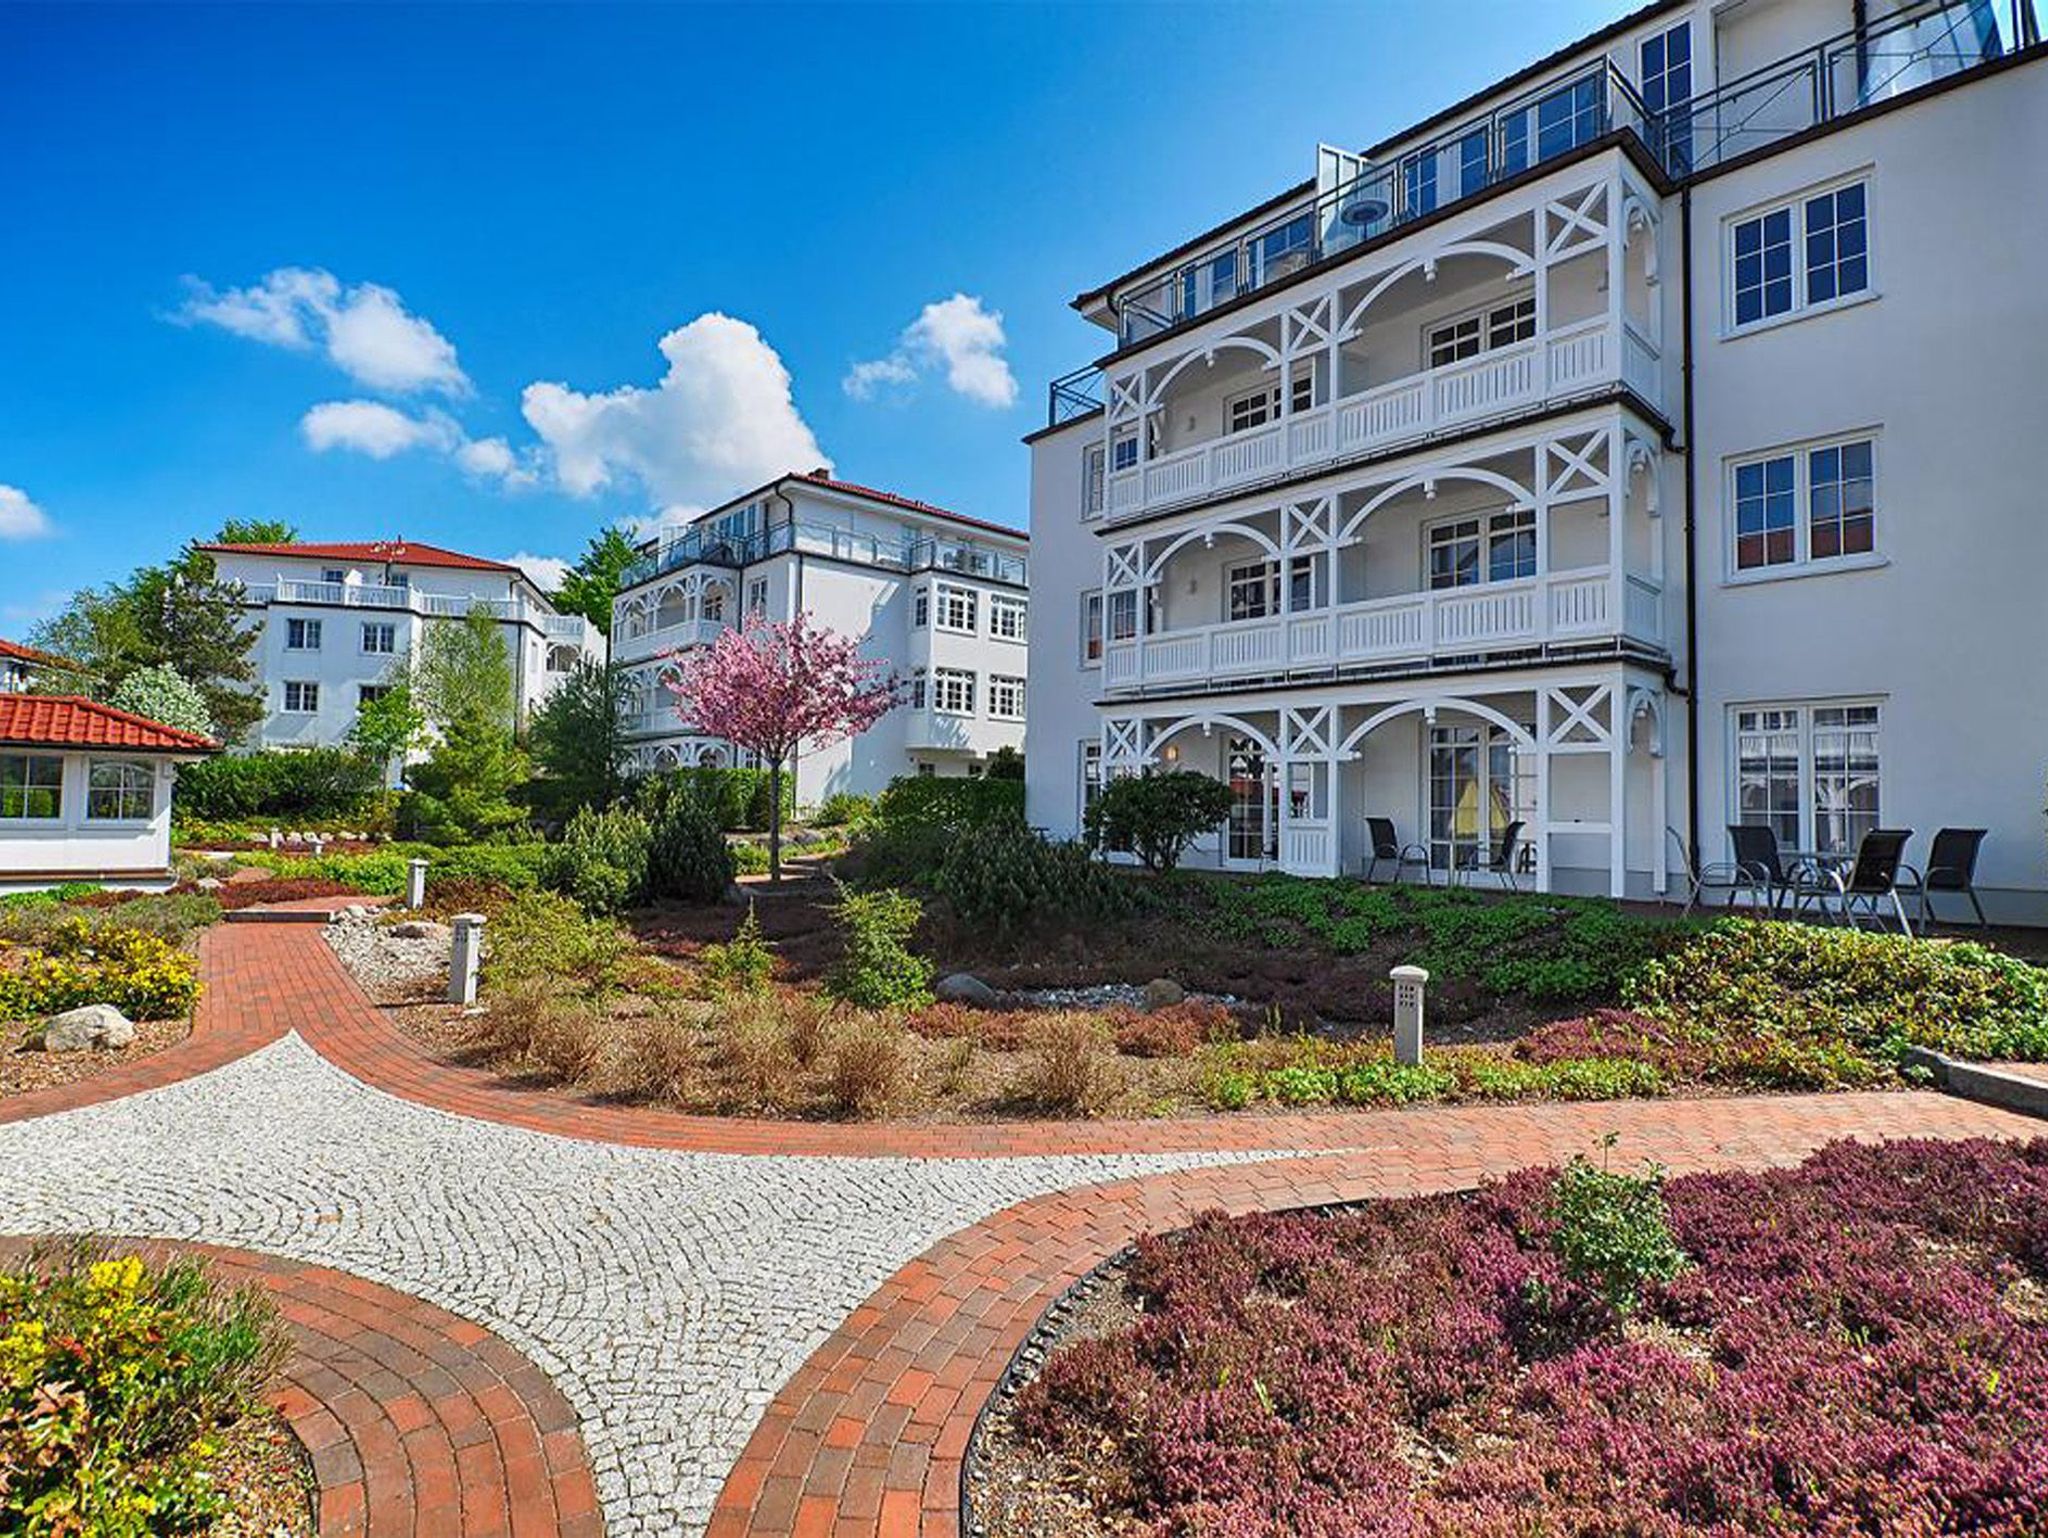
(1858, 1345)
(77, 961)
(123, 1386)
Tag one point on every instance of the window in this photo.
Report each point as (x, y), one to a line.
(31, 786)
(1255, 408)
(953, 691)
(959, 609)
(1837, 485)
(713, 604)
(1469, 335)
(917, 683)
(1809, 773)
(1092, 476)
(1666, 78)
(302, 635)
(921, 608)
(927, 771)
(1091, 629)
(380, 639)
(1123, 615)
(1005, 697)
(757, 595)
(1496, 547)
(1281, 251)
(301, 699)
(1006, 617)
(1418, 183)
(1472, 162)
(333, 574)
(1830, 228)
(1123, 451)
(119, 791)
(1091, 773)
(1568, 118)
(369, 694)
(1480, 780)
(1208, 283)
(1250, 591)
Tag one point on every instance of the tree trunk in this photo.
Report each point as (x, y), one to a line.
(775, 821)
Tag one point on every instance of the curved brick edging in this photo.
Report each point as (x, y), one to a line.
(870, 1436)
(419, 1424)
(244, 1004)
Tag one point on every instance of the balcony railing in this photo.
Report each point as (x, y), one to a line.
(910, 553)
(1579, 605)
(1565, 362)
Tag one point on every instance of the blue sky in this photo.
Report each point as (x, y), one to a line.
(398, 270)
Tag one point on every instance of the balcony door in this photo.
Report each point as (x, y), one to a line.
(1251, 831)
(1480, 780)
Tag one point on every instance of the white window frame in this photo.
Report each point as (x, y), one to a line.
(382, 628)
(1121, 598)
(920, 608)
(966, 601)
(1008, 616)
(302, 635)
(137, 777)
(1804, 562)
(1090, 774)
(27, 759)
(1260, 578)
(1795, 204)
(368, 694)
(1264, 400)
(1094, 632)
(301, 685)
(953, 691)
(1487, 320)
(1005, 697)
(1094, 479)
(917, 688)
(1806, 730)
(1515, 518)
(757, 595)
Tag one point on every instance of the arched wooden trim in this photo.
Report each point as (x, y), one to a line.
(1520, 262)
(1207, 354)
(1263, 541)
(1512, 727)
(1212, 720)
(1523, 495)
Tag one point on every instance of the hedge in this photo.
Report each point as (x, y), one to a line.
(738, 798)
(931, 801)
(307, 783)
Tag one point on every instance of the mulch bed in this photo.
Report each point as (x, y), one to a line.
(24, 1070)
(268, 1479)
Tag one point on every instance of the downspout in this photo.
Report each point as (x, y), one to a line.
(1692, 609)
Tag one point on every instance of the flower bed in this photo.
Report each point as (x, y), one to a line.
(1855, 1346)
(76, 961)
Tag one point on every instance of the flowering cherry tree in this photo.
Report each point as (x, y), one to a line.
(777, 687)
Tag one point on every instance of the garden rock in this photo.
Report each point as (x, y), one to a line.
(963, 988)
(420, 929)
(209, 883)
(1164, 993)
(89, 1025)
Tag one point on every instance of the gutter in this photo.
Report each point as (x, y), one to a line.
(1692, 609)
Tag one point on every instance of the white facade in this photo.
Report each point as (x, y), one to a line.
(941, 598)
(1416, 493)
(338, 621)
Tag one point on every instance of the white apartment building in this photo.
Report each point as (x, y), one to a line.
(339, 621)
(942, 598)
(1639, 446)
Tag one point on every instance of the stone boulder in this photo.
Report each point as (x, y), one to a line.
(209, 883)
(89, 1025)
(420, 929)
(1164, 993)
(963, 988)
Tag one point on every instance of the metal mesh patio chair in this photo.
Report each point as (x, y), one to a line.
(1498, 861)
(1952, 868)
(1874, 878)
(1757, 858)
(1387, 848)
(1702, 879)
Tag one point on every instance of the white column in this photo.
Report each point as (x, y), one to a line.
(1617, 526)
(1617, 792)
(1660, 798)
(1335, 802)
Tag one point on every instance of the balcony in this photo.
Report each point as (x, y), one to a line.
(1567, 607)
(412, 600)
(910, 553)
(933, 730)
(1574, 360)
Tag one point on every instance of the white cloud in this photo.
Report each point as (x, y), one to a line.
(381, 431)
(364, 328)
(547, 571)
(721, 419)
(20, 518)
(960, 335)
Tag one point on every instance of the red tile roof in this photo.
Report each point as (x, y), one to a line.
(67, 721)
(833, 483)
(22, 653)
(400, 552)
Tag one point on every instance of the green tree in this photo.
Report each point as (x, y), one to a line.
(463, 686)
(256, 531)
(388, 726)
(593, 582)
(464, 672)
(1157, 815)
(161, 695)
(579, 735)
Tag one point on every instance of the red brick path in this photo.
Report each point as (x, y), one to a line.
(420, 1424)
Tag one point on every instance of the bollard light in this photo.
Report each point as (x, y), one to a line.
(416, 884)
(466, 959)
(1409, 983)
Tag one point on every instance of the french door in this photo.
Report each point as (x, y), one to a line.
(1251, 831)
(1480, 780)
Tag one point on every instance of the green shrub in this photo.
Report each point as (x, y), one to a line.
(308, 783)
(541, 938)
(748, 859)
(1610, 1230)
(79, 962)
(167, 915)
(737, 799)
(688, 858)
(115, 1378)
(1806, 990)
(381, 872)
(743, 964)
(878, 970)
(1156, 815)
(1003, 879)
(937, 801)
(843, 808)
(601, 860)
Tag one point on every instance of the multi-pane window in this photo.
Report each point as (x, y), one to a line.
(1497, 547)
(1809, 773)
(1480, 781)
(1836, 483)
(757, 595)
(1567, 118)
(713, 605)
(917, 688)
(1810, 252)
(959, 609)
(117, 790)
(1123, 615)
(1255, 408)
(953, 691)
(31, 786)
(369, 694)
(380, 638)
(1418, 183)
(1005, 697)
(1249, 591)
(1091, 773)
(1091, 628)
(302, 635)
(1472, 162)
(1123, 451)
(1006, 617)
(1092, 477)
(1284, 249)
(1666, 87)
(301, 698)
(1469, 335)
(921, 608)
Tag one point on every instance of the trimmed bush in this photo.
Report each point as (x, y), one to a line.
(1156, 815)
(115, 1380)
(309, 783)
(841, 809)
(877, 970)
(382, 872)
(938, 801)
